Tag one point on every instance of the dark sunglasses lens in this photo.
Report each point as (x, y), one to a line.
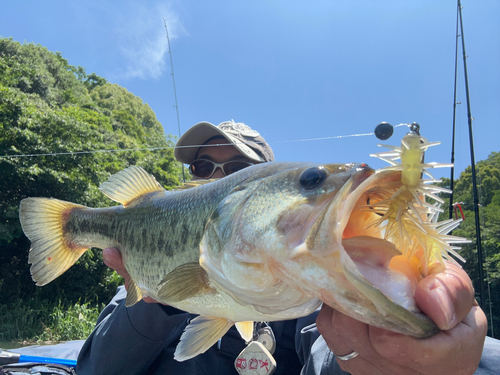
(202, 168)
(234, 166)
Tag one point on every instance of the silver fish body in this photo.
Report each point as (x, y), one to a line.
(270, 242)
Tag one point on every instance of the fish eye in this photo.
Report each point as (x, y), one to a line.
(312, 177)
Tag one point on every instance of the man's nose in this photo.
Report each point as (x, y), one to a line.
(218, 173)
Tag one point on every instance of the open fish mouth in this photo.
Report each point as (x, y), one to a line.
(379, 259)
(370, 275)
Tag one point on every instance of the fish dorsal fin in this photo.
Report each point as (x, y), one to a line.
(125, 186)
(187, 280)
(134, 294)
(246, 330)
(200, 335)
(195, 183)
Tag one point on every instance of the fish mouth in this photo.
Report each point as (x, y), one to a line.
(378, 260)
(369, 270)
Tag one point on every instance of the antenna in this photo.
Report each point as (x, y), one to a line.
(175, 92)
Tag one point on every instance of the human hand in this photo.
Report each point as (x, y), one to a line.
(113, 259)
(448, 299)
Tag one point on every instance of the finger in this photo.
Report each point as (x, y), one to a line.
(477, 326)
(448, 352)
(113, 259)
(344, 335)
(361, 366)
(151, 300)
(326, 326)
(446, 297)
(324, 323)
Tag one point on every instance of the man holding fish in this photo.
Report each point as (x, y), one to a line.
(142, 338)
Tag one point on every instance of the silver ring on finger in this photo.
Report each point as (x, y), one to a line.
(347, 357)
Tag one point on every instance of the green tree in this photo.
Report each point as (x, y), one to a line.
(488, 177)
(49, 107)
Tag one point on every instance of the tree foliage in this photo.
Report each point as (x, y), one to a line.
(488, 183)
(48, 106)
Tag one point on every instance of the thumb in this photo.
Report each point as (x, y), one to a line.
(113, 259)
(446, 296)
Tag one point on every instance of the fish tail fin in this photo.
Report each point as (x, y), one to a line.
(43, 221)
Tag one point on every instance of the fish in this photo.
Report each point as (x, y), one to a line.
(271, 242)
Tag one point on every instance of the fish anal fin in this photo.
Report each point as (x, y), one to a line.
(134, 293)
(246, 330)
(185, 281)
(200, 335)
(129, 184)
(51, 253)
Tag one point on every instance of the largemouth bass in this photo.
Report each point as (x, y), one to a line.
(270, 242)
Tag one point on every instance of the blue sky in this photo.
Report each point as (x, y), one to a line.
(291, 70)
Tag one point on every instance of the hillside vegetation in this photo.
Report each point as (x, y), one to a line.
(48, 106)
(488, 179)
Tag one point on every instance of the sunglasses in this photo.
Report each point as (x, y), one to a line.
(204, 168)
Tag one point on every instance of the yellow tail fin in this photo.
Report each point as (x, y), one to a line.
(42, 220)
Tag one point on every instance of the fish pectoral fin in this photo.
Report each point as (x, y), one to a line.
(246, 330)
(129, 184)
(299, 251)
(187, 280)
(134, 293)
(200, 335)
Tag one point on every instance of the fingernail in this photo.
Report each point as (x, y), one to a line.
(105, 255)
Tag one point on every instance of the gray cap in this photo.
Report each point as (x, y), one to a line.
(245, 139)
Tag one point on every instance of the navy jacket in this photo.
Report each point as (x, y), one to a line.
(142, 339)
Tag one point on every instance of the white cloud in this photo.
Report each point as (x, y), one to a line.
(141, 39)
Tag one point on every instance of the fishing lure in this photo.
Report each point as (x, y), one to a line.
(408, 219)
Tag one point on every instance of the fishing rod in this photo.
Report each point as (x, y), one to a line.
(452, 204)
(175, 91)
(473, 166)
(452, 177)
(8, 358)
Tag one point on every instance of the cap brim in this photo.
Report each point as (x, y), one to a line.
(188, 145)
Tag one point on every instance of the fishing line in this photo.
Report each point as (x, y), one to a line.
(191, 146)
(172, 147)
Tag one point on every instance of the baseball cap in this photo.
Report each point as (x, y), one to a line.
(246, 140)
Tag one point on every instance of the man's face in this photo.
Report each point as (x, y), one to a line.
(220, 154)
